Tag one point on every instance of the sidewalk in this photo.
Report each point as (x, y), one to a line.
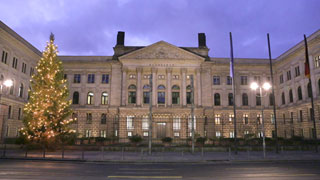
(116, 156)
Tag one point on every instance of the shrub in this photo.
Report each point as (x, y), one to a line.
(201, 140)
(166, 140)
(135, 138)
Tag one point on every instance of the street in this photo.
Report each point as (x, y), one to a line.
(26, 169)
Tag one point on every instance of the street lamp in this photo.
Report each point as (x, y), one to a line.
(266, 86)
(7, 83)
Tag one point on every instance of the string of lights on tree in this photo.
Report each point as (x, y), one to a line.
(46, 115)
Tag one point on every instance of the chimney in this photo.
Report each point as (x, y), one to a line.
(120, 38)
(202, 40)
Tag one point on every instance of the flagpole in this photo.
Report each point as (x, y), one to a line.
(273, 97)
(307, 73)
(234, 94)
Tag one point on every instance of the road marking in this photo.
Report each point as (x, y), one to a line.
(132, 169)
(147, 177)
(278, 175)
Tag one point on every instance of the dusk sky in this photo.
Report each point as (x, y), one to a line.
(89, 27)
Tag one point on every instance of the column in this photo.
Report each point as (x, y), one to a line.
(139, 88)
(183, 87)
(198, 82)
(206, 81)
(124, 86)
(154, 86)
(169, 87)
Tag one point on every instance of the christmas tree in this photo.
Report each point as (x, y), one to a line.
(46, 115)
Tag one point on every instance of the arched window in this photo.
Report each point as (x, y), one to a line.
(258, 99)
(161, 94)
(12, 88)
(175, 94)
(290, 95)
(245, 101)
(299, 93)
(271, 101)
(20, 94)
(104, 98)
(90, 98)
(230, 99)
(146, 94)
(309, 90)
(132, 94)
(75, 98)
(103, 118)
(188, 94)
(217, 99)
(283, 98)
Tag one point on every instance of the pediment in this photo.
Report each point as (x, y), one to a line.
(161, 50)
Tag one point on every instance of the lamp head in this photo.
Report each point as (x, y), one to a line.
(254, 86)
(266, 86)
(8, 83)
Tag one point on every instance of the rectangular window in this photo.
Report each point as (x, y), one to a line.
(146, 97)
(301, 115)
(4, 57)
(103, 118)
(147, 76)
(217, 119)
(175, 76)
(65, 76)
(176, 123)
(284, 118)
(188, 97)
(130, 122)
(161, 77)
(190, 122)
(76, 78)
(88, 133)
(132, 76)
(176, 134)
(216, 80)
(146, 134)
(231, 134)
(259, 119)
(145, 123)
(288, 75)
(272, 118)
(257, 79)
(229, 80)
(246, 132)
(231, 118)
(245, 118)
(19, 113)
(9, 112)
(90, 78)
(14, 62)
(129, 134)
(297, 70)
(281, 78)
(317, 61)
(31, 71)
(218, 134)
(89, 118)
(175, 98)
(161, 97)
(244, 80)
(24, 67)
(105, 79)
(103, 133)
(132, 97)
(291, 117)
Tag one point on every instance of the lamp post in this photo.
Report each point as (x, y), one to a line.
(266, 86)
(6, 83)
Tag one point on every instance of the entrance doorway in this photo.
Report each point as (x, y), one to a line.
(161, 130)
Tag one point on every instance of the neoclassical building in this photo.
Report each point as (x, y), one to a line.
(111, 94)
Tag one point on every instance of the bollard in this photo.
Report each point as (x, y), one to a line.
(122, 158)
(4, 150)
(229, 150)
(102, 150)
(82, 154)
(141, 153)
(62, 152)
(26, 154)
(44, 152)
(202, 151)
(248, 153)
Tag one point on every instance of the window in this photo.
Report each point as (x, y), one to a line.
(31, 71)
(90, 78)
(12, 88)
(258, 99)
(103, 118)
(19, 113)
(161, 76)
(147, 76)
(272, 118)
(76, 78)
(14, 62)
(229, 80)
(88, 133)
(257, 79)
(24, 67)
(288, 75)
(281, 78)
(20, 94)
(129, 134)
(309, 90)
(188, 94)
(175, 94)
(175, 76)
(299, 93)
(217, 119)
(89, 118)
(130, 122)
(230, 99)
(216, 80)
(231, 134)
(132, 76)
(297, 70)
(65, 76)
(4, 57)
(244, 80)
(245, 99)
(246, 132)
(317, 61)
(146, 134)
(161, 94)
(176, 123)
(291, 117)
(271, 101)
(75, 98)
(259, 119)
(145, 122)
(90, 98)
(104, 98)
(74, 116)
(132, 94)
(146, 97)
(283, 98)
(190, 122)
(103, 133)
(218, 134)
(301, 115)
(105, 79)
(284, 118)
(231, 118)
(245, 118)
(176, 134)
(217, 99)
(290, 96)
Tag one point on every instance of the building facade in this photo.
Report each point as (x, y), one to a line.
(111, 94)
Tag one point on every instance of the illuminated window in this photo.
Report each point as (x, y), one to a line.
(90, 98)
(104, 98)
(217, 119)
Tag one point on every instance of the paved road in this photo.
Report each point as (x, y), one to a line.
(19, 169)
